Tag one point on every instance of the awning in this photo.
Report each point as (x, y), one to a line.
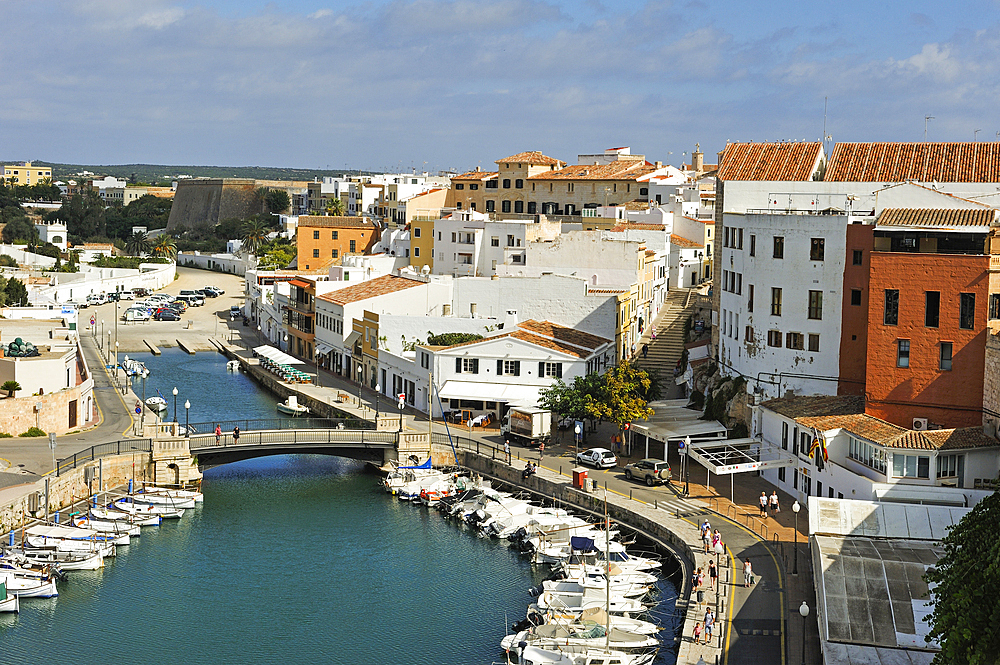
(277, 356)
(490, 392)
(352, 339)
(322, 348)
(300, 283)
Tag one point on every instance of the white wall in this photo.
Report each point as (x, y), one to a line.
(228, 263)
(77, 286)
(604, 263)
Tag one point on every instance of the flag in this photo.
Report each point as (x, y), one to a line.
(819, 443)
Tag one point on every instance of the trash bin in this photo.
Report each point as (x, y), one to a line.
(701, 596)
(580, 478)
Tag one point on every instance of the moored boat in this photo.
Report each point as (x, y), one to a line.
(291, 407)
(8, 601)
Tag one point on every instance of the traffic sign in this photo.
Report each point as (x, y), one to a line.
(52, 440)
(138, 408)
(92, 320)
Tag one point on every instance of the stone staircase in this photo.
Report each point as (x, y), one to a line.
(666, 349)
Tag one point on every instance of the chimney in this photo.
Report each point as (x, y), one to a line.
(473, 309)
(446, 309)
(658, 165)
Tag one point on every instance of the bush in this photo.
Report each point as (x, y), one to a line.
(33, 431)
(4, 435)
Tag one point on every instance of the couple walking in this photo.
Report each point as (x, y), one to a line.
(764, 502)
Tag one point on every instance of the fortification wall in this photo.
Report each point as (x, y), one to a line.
(204, 202)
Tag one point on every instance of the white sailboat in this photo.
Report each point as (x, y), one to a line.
(582, 656)
(8, 600)
(29, 587)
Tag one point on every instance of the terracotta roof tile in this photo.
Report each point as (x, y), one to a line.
(924, 162)
(533, 157)
(372, 288)
(477, 175)
(562, 333)
(334, 222)
(550, 336)
(619, 170)
(961, 438)
(683, 242)
(640, 226)
(707, 220)
(829, 405)
(930, 217)
(770, 161)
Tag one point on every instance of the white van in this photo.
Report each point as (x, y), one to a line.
(192, 298)
(96, 299)
(126, 295)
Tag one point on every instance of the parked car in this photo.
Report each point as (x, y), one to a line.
(191, 298)
(599, 458)
(178, 304)
(126, 295)
(96, 299)
(650, 471)
(140, 292)
(207, 293)
(135, 314)
(217, 290)
(167, 314)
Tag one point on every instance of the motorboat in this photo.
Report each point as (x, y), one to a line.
(65, 560)
(126, 505)
(8, 600)
(531, 655)
(596, 614)
(586, 599)
(130, 518)
(157, 405)
(411, 491)
(402, 475)
(116, 527)
(601, 583)
(70, 539)
(29, 587)
(158, 499)
(575, 570)
(170, 491)
(587, 634)
(291, 407)
(233, 366)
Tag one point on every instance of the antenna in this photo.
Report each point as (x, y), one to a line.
(926, 119)
(975, 135)
(825, 99)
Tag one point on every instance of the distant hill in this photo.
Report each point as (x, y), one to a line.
(154, 173)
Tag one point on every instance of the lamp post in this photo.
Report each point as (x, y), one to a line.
(187, 419)
(316, 358)
(804, 611)
(107, 348)
(795, 570)
(687, 465)
(402, 399)
(378, 391)
(125, 371)
(142, 418)
(719, 549)
(175, 403)
(578, 431)
(360, 371)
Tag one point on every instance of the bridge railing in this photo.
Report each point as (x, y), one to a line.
(247, 425)
(102, 450)
(360, 437)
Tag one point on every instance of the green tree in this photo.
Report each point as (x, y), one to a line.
(11, 387)
(19, 230)
(965, 611)
(16, 292)
(7, 261)
(622, 400)
(336, 207)
(449, 339)
(277, 201)
(254, 236)
(137, 244)
(164, 247)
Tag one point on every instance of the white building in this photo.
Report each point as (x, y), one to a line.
(511, 367)
(871, 459)
(53, 232)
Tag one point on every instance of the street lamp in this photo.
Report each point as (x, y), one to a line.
(578, 430)
(107, 349)
(187, 419)
(719, 549)
(804, 611)
(175, 404)
(687, 465)
(360, 370)
(316, 358)
(378, 391)
(795, 570)
(402, 398)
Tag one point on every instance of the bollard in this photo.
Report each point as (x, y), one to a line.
(57, 518)
(129, 485)
(10, 541)
(630, 495)
(656, 505)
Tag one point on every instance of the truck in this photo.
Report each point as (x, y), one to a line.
(531, 426)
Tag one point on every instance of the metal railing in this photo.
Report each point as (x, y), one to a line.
(122, 446)
(248, 425)
(361, 437)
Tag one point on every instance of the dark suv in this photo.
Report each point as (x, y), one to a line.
(652, 471)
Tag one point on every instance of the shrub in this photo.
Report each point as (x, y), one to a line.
(4, 435)
(33, 431)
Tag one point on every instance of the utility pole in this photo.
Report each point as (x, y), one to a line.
(926, 119)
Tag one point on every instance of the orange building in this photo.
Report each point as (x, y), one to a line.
(927, 319)
(854, 320)
(324, 241)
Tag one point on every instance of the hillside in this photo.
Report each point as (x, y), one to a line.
(154, 173)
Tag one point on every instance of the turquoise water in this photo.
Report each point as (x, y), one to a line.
(295, 558)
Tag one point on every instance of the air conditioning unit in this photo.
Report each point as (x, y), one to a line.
(920, 424)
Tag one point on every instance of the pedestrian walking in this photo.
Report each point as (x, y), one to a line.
(236, 434)
(699, 581)
(541, 450)
(506, 450)
(713, 574)
(774, 503)
(697, 633)
(645, 349)
(706, 534)
(652, 335)
(747, 573)
(218, 433)
(716, 539)
(709, 624)
(763, 504)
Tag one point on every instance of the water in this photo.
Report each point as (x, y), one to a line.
(299, 558)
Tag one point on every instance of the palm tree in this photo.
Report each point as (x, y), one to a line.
(137, 244)
(164, 247)
(336, 207)
(254, 236)
(11, 387)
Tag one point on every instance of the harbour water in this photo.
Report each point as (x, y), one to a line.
(298, 558)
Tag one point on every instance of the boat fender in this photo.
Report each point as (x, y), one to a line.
(535, 591)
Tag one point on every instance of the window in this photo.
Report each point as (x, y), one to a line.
(506, 183)
(793, 341)
(779, 247)
(774, 338)
(518, 184)
(508, 368)
(748, 334)
(995, 306)
(784, 436)
(491, 205)
(334, 253)
(518, 206)
(753, 245)
(550, 370)
(491, 184)
(335, 235)
(725, 239)
(890, 316)
(495, 241)
(739, 245)
(750, 297)
(857, 256)
(817, 249)
(911, 466)
(416, 232)
(949, 465)
(856, 297)
(354, 245)
(416, 252)
(816, 305)
(316, 234)
(739, 283)
(814, 342)
(467, 365)
(967, 311)
(532, 207)
(932, 308)
(902, 353)
(944, 362)
(474, 185)
(781, 473)
(316, 253)
(505, 206)
(459, 186)
(775, 301)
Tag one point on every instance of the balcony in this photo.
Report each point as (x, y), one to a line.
(994, 262)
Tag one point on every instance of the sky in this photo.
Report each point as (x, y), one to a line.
(435, 85)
